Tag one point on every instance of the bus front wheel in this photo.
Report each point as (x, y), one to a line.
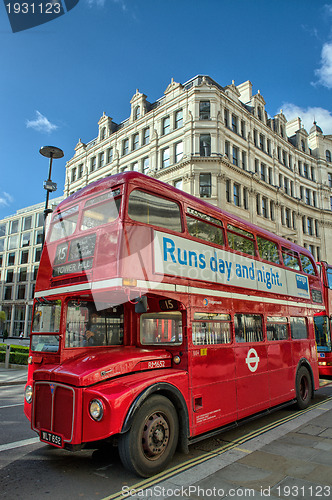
(150, 443)
(303, 387)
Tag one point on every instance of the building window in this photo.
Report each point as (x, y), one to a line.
(166, 125)
(227, 146)
(226, 117)
(101, 161)
(178, 152)
(307, 196)
(243, 129)
(125, 147)
(23, 273)
(179, 119)
(11, 259)
(27, 223)
(305, 172)
(73, 174)
(204, 110)
(21, 292)
(35, 272)
(135, 167)
(109, 157)
(80, 171)
(272, 215)
(328, 155)
(234, 123)
(40, 219)
(14, 227)
(205, 145)
(288, 221)
(146, 135)
(317, 228)
(165, 158)
(310, 226)
(135, 142)
(228, 190)
(8, 293)
(302, 145)
(146, 164)
(137, 113)
(205, 186)
(2, 229)
(103, 133)
(263, 172)
(245, 198)
(38, 252)
(178, 184)
(24, 257)
(93, 163)
(261, 142)
(10, 276)
(244, 160)
(235, 156)
(264, 208)
(26, 239)
(236, 195)
(13, 242)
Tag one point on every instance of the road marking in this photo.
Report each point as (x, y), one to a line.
(18, 444)
(11, 406)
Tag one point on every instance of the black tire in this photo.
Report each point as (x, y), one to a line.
(303, 388)
(150, 443)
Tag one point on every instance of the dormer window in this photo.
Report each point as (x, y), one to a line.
(137, 113)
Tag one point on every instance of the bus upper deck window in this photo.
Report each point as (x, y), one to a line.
(268, 250)
(101, 210)
(307, 265)
(64, 223)
(291, 259)
(241, 240)
(154, 210)
(204, 227)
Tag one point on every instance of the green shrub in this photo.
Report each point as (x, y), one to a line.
(2, 356)
(19, 348)
(18, 358)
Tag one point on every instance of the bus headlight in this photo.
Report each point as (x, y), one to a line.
(28, 394)
(96, 409)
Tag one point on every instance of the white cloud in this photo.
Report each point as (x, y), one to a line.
(322, 116)
(5, 199)
(101, 3)
(324, 73)
(41, 124)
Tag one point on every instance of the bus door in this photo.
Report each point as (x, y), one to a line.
(212, 372)
(252, 383)
(281, 369)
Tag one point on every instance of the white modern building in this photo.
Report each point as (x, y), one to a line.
(21, 238)
(219, 143)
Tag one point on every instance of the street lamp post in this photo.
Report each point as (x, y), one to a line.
(50, 186)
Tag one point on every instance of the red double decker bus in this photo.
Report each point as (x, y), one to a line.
(159, 319)
(323, 323)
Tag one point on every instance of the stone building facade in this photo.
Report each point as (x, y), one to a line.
(219, 143)
(21, 237)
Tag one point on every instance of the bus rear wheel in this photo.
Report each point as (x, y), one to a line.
(303, 387)
(149, 445)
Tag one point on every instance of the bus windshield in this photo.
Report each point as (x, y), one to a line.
(85, 326)
(322, 331)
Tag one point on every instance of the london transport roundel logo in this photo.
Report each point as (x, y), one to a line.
(252, 360)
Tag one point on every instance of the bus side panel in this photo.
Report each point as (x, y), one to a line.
(252, 378)
(281, 371)
(213, 387)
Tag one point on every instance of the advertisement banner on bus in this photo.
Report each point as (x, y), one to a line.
(177, 256)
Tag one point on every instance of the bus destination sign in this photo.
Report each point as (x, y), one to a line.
(75, 259)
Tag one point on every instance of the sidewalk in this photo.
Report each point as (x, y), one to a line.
(13, 376)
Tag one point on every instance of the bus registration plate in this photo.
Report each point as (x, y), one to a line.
(49, 437)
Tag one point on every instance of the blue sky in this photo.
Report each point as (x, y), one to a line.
(57, 79)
